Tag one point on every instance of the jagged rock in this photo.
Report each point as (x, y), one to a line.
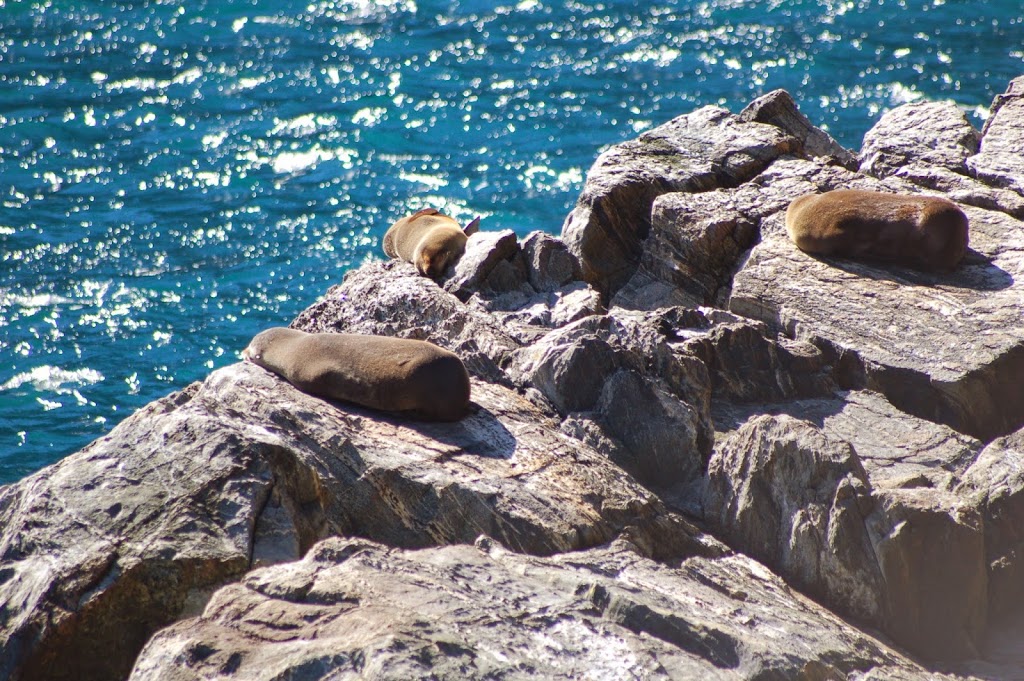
(931, 134)
(356, 608)
(645, 429)
(493, 262)
(746, 366)
(779, 109)
(1000, 161)
(946, 348)
(549, 263)
(963, 189)
(691, 253)
(626, 392)
(785, 493)
(390, 299)
(865, 534)
(527, 317)
(124, 535)
(930, 549)
(700, 151)
(995, 484)
(851, 402)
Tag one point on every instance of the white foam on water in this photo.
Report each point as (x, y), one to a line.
(53, 379)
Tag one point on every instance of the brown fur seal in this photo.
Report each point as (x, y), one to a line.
(392, 374)
(926, 232)
(429, 240)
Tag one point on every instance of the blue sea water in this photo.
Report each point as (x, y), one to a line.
(177, 176)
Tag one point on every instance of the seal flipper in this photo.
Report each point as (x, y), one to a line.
(473, 227)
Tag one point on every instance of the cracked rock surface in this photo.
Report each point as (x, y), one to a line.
(693, 450)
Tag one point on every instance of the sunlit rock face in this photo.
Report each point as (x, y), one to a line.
(693, 451)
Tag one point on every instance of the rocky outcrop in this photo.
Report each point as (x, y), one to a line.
(693, 153)
(358, 608)
(683, 429)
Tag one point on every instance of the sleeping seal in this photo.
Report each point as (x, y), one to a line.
(925, 232)
(428, 240)
(392, 374)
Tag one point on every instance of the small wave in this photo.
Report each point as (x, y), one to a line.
(54, 379)
(33, 301)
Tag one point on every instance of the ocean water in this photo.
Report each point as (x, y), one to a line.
(177, 176)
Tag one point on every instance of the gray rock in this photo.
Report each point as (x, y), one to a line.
(932, 134)
(783, 492)
(779, 109)
(691, 254)
(1000, 161)
(354, 608)
(549, 264)
(858, 535)
(492, 262)
(930, 549)
(700, 151)
(963, 189)
(130, 533)
(946, 348)
(391, 299)
(995, 485)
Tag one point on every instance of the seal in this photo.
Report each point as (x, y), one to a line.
(380, 372)
(924, 232)
(429, 240)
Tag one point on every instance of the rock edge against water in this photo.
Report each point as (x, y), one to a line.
(694, 451)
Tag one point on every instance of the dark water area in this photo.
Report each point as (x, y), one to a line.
(178, 176)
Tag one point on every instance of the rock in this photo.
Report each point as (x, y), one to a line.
(125, 535)
(1000, 160)
(549, 264)
(963, 189)
(800, 495)
(946, 348)
(785, 493)
(627, 393)
(492, 262)
(643, 428)
(930, 548)
(855, 426)
(700, 151)
(352, 607)
(995, 485)
(779, 109)
(691, 254)
(389, 299)
(931, 134)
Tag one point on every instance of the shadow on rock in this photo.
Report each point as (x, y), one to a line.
(976, 273)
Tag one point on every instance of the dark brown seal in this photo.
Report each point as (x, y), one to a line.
(392, 374)
(926, 232)
(429, 240)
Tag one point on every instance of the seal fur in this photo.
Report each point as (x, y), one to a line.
(429, 240)
(926, 232)
(381, 372)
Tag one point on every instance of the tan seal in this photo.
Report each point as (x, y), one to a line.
(392, 374)
(429, 240)
(926, 232)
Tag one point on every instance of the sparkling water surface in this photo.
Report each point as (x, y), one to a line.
(177, 176)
